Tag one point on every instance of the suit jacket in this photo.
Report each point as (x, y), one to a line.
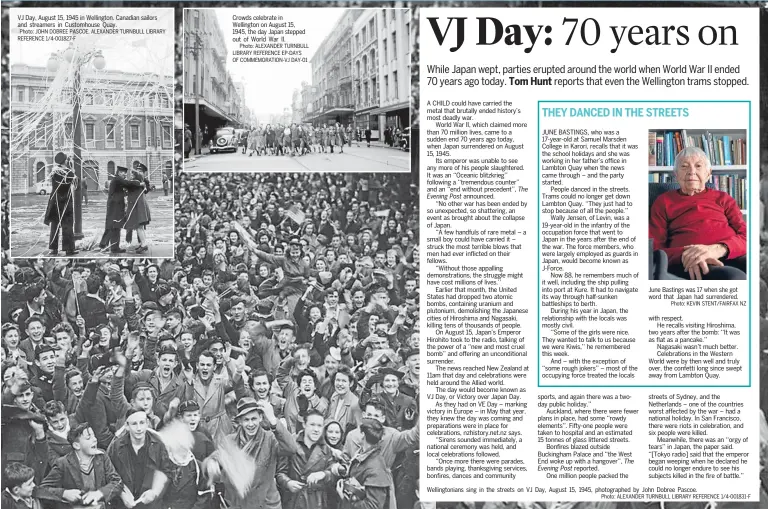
(116, 201)
(65, 475)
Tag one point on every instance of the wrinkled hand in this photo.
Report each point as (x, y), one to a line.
(294, 486)
(697, 258)
(71, 496)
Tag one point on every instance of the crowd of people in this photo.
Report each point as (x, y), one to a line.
(297, 139)
(274, 363)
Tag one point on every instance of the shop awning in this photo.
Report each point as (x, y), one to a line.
(392, 107)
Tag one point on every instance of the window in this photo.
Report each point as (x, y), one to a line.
(39, 94)
(165, 101)
(90, 132)
(110, 134)
(110, 99)
(384, 16)
(111, 168)
(394, 82)
(386, 88)
(40, 171)
(40, 136)
(364, 37)
(68, 130)
(384, 47)
(167, 136)
(197, 20)
(152, 141)
(394, 45)
(20, 95)
(89, 99)
(372, 28)
(135, 135)
(194, 84)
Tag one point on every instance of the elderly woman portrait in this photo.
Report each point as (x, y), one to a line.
(701, 230)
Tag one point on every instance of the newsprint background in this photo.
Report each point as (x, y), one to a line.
(10, 279)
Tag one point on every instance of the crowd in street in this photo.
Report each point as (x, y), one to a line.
(298, 139)
(274, 363)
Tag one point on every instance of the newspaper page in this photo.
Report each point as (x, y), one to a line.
(582, 184)
(590, 205)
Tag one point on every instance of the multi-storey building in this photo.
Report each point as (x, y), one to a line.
(127, 118)
(206, 75)
(381, 45)
(331, 95)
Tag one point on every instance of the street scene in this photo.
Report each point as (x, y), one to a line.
(355, 158)
(92, 135)
(297, 90)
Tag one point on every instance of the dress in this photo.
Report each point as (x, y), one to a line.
(137, 209)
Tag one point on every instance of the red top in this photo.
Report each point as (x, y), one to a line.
(708, 217)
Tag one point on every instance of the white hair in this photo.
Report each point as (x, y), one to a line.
(691, 152)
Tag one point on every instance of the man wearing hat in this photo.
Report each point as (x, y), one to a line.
(115, 219)
(401, 410)
(189, 413)
(264, 446)
(60, 213)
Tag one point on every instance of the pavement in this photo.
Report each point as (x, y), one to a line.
(354, 159)
(29, 235)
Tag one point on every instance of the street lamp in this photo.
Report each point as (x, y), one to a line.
(78, 59)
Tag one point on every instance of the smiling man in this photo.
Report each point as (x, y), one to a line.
(85, 475)
(209, 390)
(304, 476)
(264, 446)
(142, 462)
(701, 230)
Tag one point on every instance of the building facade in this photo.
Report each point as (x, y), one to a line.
(206, 77)
(126, 120)
(381, 45)
(330, 98)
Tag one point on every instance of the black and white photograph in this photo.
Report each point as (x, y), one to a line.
(272, 361)
(92, 132)
(325, 90)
